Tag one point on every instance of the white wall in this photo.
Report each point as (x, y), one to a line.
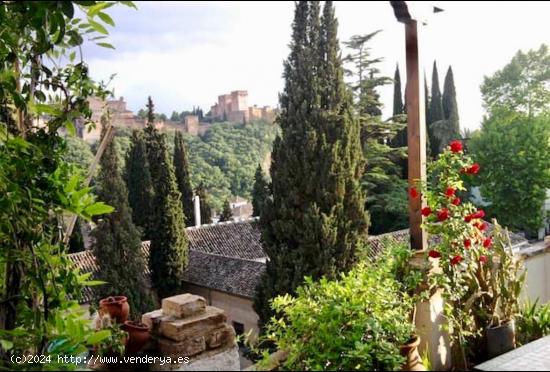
(537, 282)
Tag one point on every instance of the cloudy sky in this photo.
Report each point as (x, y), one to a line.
(187, 53)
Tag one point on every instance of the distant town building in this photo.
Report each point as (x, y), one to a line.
(234, 107)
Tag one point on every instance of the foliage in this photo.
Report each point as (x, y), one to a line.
(315, 220)
(227, 214)
(478, 273)
(78, 153)
(398, 107)
(117, 246)
(169, 245)
(435, 114)
(260, 192)
(137, 175)
(533, 322)
(513, 149)
(522, 85)
(40, 76)
(356, 322)
(382, 181)
(76, 242)
(114, 343)
(183, 179)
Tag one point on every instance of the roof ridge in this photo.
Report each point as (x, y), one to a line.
(223, 223)
(224, 256)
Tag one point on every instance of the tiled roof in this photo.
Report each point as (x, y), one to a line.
(226, 274)
(233, 239)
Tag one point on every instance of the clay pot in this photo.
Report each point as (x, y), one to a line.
(138, 335)
(117, 307)
(501, 339)
(410, 351)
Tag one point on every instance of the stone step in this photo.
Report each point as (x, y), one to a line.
(183, 306)
(197, 325)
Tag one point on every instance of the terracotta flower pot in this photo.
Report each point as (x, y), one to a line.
(138, 335)
(501, 339)
(117, 307)
(410, 351)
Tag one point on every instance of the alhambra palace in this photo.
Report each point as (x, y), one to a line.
(231, 108)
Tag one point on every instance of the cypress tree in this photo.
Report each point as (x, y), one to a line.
(227, 214)
(315, 220)
(435, 113)
(183, 178)
(398, 108)
(260, 192)
(205, 208)
(117, 247)
(139, 184)
(169, 245)
(450, 107)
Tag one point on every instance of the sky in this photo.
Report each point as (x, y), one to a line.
(185, 54)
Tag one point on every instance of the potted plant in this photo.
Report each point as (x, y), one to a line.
(505, 285)
(138, 335)
(116, 306)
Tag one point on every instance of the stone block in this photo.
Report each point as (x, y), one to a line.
(189, 347)
(220, 337)
(197, 325)
(183, 306)
(153, 320)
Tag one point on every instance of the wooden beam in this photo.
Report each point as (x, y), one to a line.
(416, 135)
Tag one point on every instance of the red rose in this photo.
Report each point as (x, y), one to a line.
(474, 169)
(468, 218)
(426, 211)
(450, 192)
(434, 254)
(443, 214)
(467, 243)
(413, 193)
(481, 226)
(487, 242)
(479, 214)
(456, 260)
(456, 201)
(483, 259)
(456, 146)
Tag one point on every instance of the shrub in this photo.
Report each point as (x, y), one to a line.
(533, 322)
(355, 322)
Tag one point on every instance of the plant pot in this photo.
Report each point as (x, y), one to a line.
(410, 352)
(501, 339)
(138, 335)
(117, 307)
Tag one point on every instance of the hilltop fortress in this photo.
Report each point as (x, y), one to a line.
(230, 108)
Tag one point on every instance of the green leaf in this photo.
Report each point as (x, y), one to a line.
(106, 18)
(95, 9)
(98, 336)
(106, 45)
(6, 345)
(70, 127)
(129, 4)
(98, 27)
(98, 208)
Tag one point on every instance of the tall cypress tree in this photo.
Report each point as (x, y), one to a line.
(183, 178)
(398, 108)
(260, 192)
(169, 245)
(117, 247)
(316, 219)
(227, 214)
(205, 208)
(139, 184)
(450, 107)
(435, 113)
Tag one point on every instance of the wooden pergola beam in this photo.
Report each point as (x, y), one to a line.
(416, 124)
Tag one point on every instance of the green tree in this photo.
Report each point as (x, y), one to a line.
(260, 192)
(78, 152)
(316, 219)
(398, 108)
(205, 208)
(169, 245)
(117, 246)
(383, 182)
(140, 184)
(183, 178)
(514, 154)
(227, 214)
(435, 114)
(522, 85)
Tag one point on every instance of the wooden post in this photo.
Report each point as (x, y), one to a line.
(416, 135)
